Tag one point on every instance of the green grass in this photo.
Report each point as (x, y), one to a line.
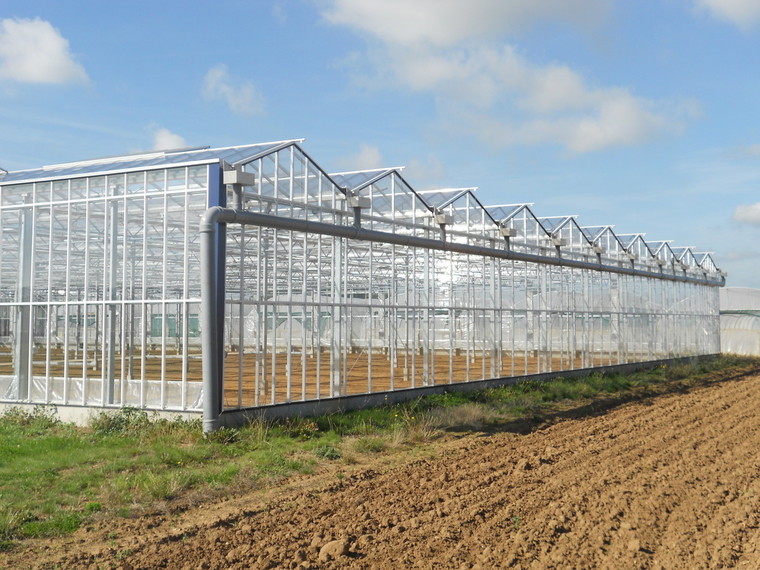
(55, 477)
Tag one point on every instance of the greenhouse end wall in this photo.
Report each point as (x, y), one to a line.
(100, 284)
(100, 277)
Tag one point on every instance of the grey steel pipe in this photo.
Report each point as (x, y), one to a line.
(212, 398)
(227, 215)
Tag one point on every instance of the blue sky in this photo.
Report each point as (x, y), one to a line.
(641, 114)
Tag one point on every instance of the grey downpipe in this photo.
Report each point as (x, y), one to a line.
(212, 397)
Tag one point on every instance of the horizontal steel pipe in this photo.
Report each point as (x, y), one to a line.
(230, 216)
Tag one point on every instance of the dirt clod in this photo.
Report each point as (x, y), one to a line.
(333, 550)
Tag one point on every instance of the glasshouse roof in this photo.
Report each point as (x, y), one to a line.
(440, 198)
(555, 223)
(394, 204)
(358, 179)
(594, 232)
(232, 155)
(505, 212)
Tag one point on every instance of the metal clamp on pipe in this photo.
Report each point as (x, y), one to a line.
(237, 178)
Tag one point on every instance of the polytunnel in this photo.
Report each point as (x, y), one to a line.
(303, 286)
(740, 321)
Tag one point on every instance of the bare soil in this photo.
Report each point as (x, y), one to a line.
(660, 481)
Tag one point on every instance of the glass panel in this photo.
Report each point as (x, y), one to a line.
(16, 194)
(41, 253)
(136, 183)
(78, 188)
(97, 186)
(176, 178)
(197, 177)
(154, 247)
(156, 181)
(42, 191)
(61, 190)
(116, 184)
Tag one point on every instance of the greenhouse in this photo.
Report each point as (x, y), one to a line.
(243, 277)
(740, 321)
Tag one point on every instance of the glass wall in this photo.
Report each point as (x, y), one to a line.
(313, 316)
(100, 289)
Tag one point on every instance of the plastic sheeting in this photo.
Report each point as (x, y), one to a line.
(137, 393)
(740, 321)
(739, 299)
(740, 334)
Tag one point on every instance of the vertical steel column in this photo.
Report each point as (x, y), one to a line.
(164, 290)
(110, 336)
(317, 320)
(426, 303)
(512, 317)
(241, 306)
(370, 318)
(212, 244)
(52, 318)
(144, 312)
(261, 315)
(451, 316)
(126, 312)
(393, 318)
(495, 310)
(337, 321)
(303, 306)
(22, 349)
(289, 324)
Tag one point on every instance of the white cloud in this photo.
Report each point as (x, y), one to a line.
(740, 255)
(445, 23)
(424, 172)
(499, 97)
(367, 157)
(33, 51)
(164, 139)
(279, 13)
(488, 89)
(749, 214)
(420, 173)
(618, 123)
(241, 97)
(744, 14)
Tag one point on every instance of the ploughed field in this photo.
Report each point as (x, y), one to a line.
(668, 481)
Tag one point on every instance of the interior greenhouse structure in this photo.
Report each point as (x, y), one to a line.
(223, 279)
